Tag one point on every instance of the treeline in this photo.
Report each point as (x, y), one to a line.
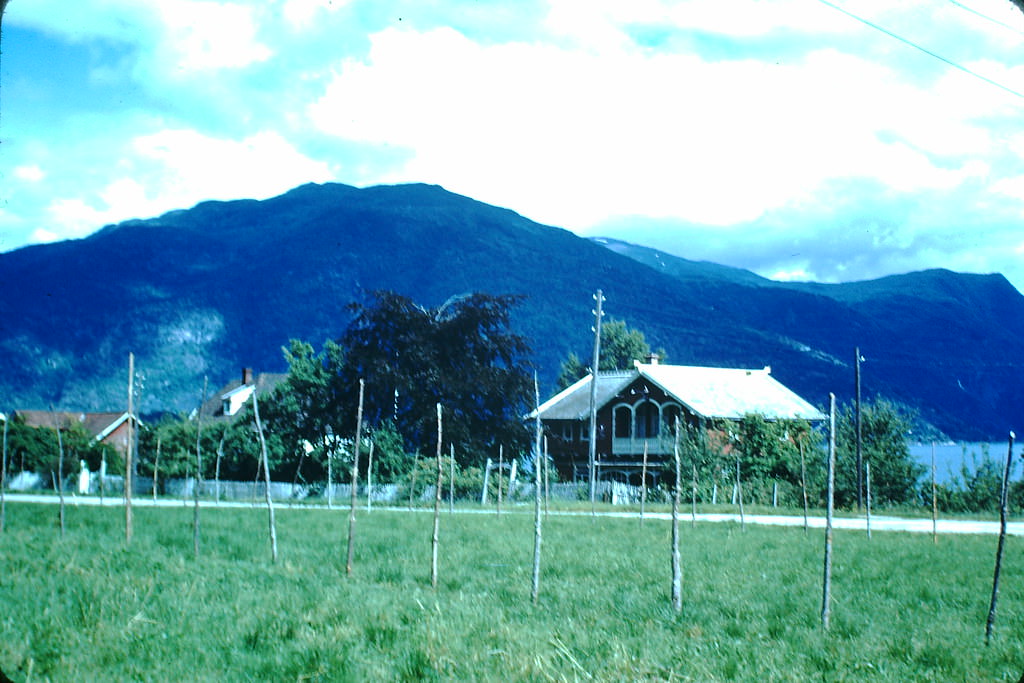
(464, 355)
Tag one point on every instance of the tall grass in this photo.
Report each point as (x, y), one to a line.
(85, 608)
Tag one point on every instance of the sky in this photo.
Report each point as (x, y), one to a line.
(782, 136)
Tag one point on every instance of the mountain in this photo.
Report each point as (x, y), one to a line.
(208, 290)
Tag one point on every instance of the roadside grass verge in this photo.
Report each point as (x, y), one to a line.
(86, 608)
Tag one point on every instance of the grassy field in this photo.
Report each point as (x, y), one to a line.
(83, 607)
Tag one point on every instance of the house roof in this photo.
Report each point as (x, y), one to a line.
(100, 425)
(264, 382)
(727, 393)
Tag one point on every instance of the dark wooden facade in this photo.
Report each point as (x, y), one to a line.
(641, 413)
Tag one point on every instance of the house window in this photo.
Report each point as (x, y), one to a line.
(646, 422)
(623, 418)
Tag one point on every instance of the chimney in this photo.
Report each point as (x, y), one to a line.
(246, 376)
(653, 358)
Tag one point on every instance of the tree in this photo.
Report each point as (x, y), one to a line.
(306, 408)
(894, 473)
(461, 354)
(37, 447)
(620, 346)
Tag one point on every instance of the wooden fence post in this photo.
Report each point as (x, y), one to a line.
(643, 485)
(935, 505)
(129, 452)
(435, 538)
(451, 479)
(826, 589)
(199, 470)
(369, 479)
(501, 466)
(677, 572)
(60, 470)
(487, 478)
(355, 481)
(266, 475)
(537, 464)
(1003, 498)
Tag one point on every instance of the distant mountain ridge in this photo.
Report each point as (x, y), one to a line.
(204, 291)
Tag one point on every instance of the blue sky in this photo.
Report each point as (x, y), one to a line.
(782, 136)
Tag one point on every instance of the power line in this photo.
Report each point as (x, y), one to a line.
(985, 16)
(923, 49)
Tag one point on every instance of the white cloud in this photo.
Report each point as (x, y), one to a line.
(200, 35)
(178, 168)
(621, 131)
(30, 173)
(572, 112)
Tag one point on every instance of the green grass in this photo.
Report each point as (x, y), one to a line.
(86, 608)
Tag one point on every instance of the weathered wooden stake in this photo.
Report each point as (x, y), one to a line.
(1003, 498)
(501, 466)
(537, 532)
(266, 475)
(677, 572)
(412, 483)
(435, 538)
(216, 470)
(935, 504)
(329, 452)
(3, 478)
(355, 481)
(547, 478)
(451, 479)
(867, 499)
(803, 480)
(643, 485)
(739, 495)
(60, 472)
(369, 479)
(199, 471)
(156, 470)
(487, 477)
(826, 588)
(129, 452)
(693, 498)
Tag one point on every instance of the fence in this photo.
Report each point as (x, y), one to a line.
(613, 492)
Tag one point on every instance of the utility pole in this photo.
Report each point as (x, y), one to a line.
(860, 456)
(599, 298)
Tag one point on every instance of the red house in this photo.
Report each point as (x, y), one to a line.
(106, 428)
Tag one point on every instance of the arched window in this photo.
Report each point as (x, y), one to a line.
(646, 420)
(623, 418)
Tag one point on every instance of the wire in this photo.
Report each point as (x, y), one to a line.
(922, 49)
(985, 16)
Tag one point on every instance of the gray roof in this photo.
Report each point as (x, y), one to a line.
(728, 393)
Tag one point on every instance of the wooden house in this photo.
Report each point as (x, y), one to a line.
(639, 407)
(225, 403)
(109, 428)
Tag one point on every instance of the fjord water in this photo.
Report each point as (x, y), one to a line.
(951, 457)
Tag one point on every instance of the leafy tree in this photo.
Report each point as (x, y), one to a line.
(461, 354)
(306, 408)
(620, 346)
(769, 452)
(36, 448)
(894, 473)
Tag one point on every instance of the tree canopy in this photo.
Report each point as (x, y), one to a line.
(461, 354)
(620, 346)
(894, 472)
